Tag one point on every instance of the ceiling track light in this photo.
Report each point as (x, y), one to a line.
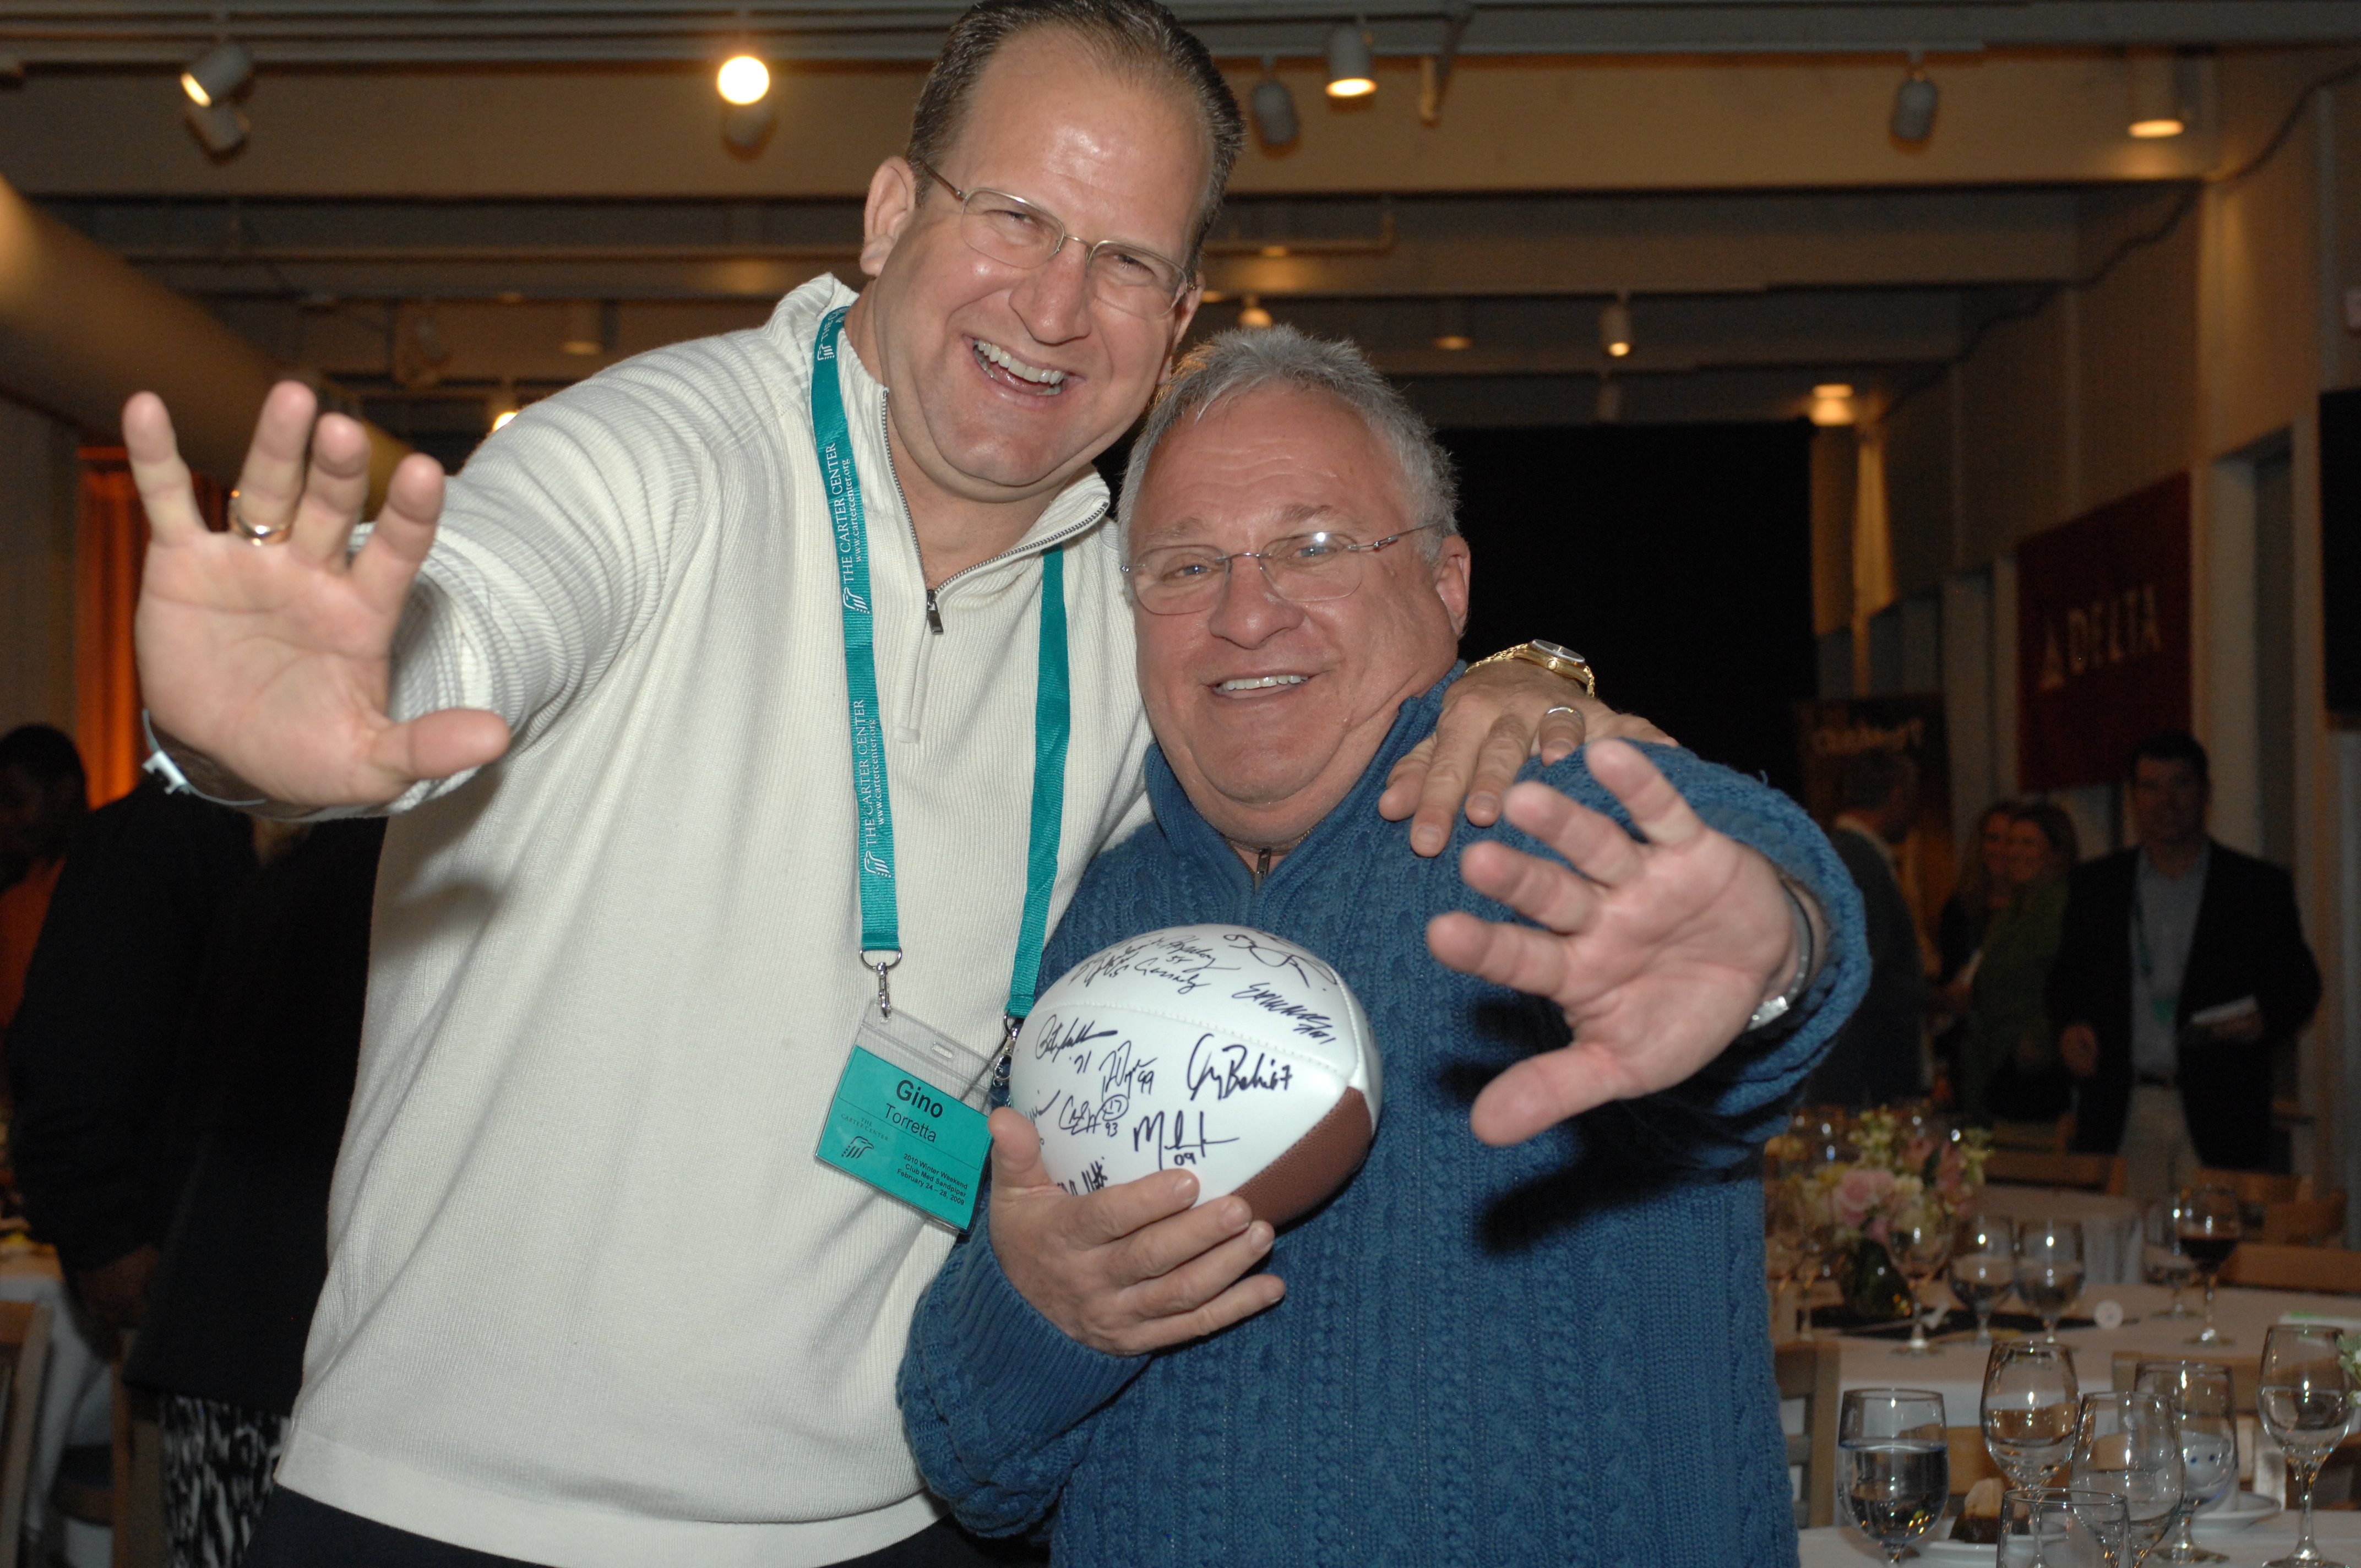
(1349, 65)
(1915, 103)
(2159, 104)
(1273, 107)
(221, 128)
(1615, 327)
(591, 327)
(1451, 333)
(1832, 404)
(1609, 406)
(742, 80)
(502, 405)
(1253, 314)
(218, 74)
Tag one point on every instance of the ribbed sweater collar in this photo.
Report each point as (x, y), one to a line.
(1195, 839)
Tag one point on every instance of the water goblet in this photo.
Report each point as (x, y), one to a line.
(1895, 1465)
(2029, 1410)
(1919, 1243)
(2049, 1269)
(2199, 1393)
(1983, 1265)
(2209, 1227)
(2304, 1398)
(2059, 1527)
(2129, 1444)
(2162, 1261)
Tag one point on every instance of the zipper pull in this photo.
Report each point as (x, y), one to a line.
(934, 614)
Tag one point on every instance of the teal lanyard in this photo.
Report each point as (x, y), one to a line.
(880, 926)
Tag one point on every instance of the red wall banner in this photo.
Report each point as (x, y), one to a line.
(2102, 637)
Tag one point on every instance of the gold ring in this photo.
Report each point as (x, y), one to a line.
(251, 533)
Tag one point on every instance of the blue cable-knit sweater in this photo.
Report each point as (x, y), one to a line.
(1552, 1353)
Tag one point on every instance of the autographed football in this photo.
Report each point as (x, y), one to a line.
(1229, 1051)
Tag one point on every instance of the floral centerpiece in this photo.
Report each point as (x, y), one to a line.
(1905, 1172)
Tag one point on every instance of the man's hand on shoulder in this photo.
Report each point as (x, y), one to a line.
(1658, 952)
(1127, 1269)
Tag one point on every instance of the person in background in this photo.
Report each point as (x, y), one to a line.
(2181, 970)
(43, 793)
(2010, 1065)
(1982, 891)
(1876, 1058)
(95, 1052)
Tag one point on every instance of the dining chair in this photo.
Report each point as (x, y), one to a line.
(1808, 1370)
(23, 1357)
(2330, 1269)
(2306, 1222)
(2027, 1167)
(2256, 1187)
(2040, 1137)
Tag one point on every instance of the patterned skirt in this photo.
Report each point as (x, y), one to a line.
(217, 1463)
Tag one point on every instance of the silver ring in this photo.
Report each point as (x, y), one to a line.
(1561, 709)
(252, 534)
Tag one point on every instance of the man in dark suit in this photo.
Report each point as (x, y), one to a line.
(1876, 1060)
(2182, 968)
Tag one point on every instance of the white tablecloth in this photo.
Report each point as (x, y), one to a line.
(77, 1397)
(2111, 1226)
(2337, 1534)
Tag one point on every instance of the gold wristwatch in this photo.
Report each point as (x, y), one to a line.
(1551, 656)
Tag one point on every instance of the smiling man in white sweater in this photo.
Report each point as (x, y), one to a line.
(719, 667)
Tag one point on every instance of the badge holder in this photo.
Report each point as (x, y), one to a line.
(907, 1116)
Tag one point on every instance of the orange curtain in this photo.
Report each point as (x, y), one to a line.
(110, 546)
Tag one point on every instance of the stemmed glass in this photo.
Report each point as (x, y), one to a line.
(2303, 1397)
(2056, 1527)
(2161, 1258)
(2200, 1396)
(1983, 1265)
(2049, 1269)
(2129, 1444)
(1919, 1245)
(2208, 1227)
(1896, 1466)
(2031, 1404)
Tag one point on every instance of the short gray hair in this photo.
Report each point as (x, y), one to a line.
(1249, 359)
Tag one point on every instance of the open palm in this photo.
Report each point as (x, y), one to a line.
(1658, 951)
(273, 660)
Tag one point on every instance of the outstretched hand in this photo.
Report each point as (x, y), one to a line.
(1126, 1269)
(1659, 951)
(273, 660)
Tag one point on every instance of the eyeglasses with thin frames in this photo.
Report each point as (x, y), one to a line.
(1018, 233)
(1301, 568)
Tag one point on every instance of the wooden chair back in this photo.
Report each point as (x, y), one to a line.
(2245, 1371)
(2330, 1269)
(2306, 1222)
(1808, 1370)
(23, 1360)
(2041, 1138)
(2027, 1167)
(2256, 1187)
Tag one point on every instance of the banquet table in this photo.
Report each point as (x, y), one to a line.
(2111, 1225)
(77, 1394)
(2337, 1534)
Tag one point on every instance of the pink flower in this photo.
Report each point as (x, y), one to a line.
(1861, 1192)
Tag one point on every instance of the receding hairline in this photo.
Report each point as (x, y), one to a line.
(1229, 397)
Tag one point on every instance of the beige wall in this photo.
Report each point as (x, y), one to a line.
(38, 472)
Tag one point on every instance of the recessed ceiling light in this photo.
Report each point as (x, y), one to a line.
(742, 80)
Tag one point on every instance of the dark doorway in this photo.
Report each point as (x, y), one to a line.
(1677, 558)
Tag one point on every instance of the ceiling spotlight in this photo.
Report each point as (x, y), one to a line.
(1451, 327)
(217, 73)
(1914, 104)
(502, 405)
(1254, 314)
(1615, 327)
(2158, 108)
(1348, 62)
(742, 80)
(1609, 407)
(746, 126)
(589, 328)
(221, 127)
(1832, 403)
(1274, 108)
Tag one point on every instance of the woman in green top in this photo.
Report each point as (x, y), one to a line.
(2010, 1065)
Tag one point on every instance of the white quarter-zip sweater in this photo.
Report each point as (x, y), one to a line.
(591, 1301)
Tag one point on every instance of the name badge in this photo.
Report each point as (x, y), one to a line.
(906, 1119)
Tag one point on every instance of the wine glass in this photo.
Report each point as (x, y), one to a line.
(2049, 1269)
(2209, 1228)
(2199, 1396)
(2162, 1259)
(1896, 1466)
(2303, 1397)
(1983, 1265)
(2031, 1403)
(2059, 1527)
(1919, 1244)
(2129, 1444)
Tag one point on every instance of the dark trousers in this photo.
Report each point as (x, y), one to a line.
(297, 1532)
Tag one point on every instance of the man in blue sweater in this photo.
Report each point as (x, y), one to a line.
(1531, 1332)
